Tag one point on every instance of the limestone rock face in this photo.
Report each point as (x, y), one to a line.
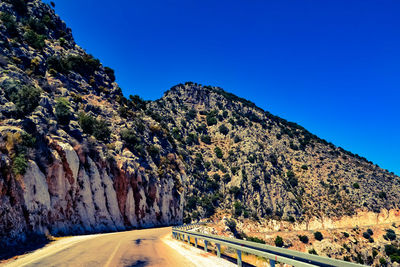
(57, 174)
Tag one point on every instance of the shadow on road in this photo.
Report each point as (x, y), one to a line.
(32, 243)
(139, 263)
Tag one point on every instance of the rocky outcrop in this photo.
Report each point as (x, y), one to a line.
(64, 166)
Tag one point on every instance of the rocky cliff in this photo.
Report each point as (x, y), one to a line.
(76, 156)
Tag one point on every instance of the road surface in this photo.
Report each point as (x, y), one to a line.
(131, 248)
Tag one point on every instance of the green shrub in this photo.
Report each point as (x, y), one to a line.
(374, 253)
(226, 178)
(235, 191)
(369, 231)
(356, 186)
(110, 73)
(85, 65)
(153, 150)
(255, 184)
(366, 235)
(63, 111)
(98, 128)
(176, 134)
(255, 239)
(223, 129)
(382, 261)
(35, 40)
(382, 195)
(318, 236)
(216, 177)
(312, 251)
(25, 97)
(132, 141)
(231, 224)
(206, 139)
(191, 115)
(390, 234)
(37, 26)
(237, 139)
(238, 208)
(191, 139)
(292, 178)
(303, 238)
(304, 167)
(10, 24)
(218, 152)
(20, 164)
(346, 234)
(211, 120)
(279, 241)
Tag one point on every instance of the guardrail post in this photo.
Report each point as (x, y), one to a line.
(218, 250)
(272, 263)
(205, 245)
(195, 242)
(188, 240)
(239, 258)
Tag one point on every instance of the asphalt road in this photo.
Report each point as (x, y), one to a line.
(132, 248)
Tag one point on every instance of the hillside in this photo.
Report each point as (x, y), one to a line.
(76, 156)
(241, 158)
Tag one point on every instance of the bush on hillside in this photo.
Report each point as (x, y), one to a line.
(10, 24)
(218, 152)
(318, 236)
(35, 40)
(25, 97)
(279, 241)
(255, 239)
(63, 111)
(98, 128)
(303, 238)
(223, 129)
(206, 139)
(110, 73)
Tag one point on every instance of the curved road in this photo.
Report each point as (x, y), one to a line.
(130, 248)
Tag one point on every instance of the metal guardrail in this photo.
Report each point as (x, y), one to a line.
(273, 254)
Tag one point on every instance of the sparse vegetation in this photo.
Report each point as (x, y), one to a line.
(98, 128)
(279, 241)
(303, 238)
(63, 111)
(218, 152)
(318, 236)
(35, 40)
(223, 129)
(206, 139)
(25, 97)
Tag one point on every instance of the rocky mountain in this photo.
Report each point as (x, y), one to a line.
(76, 156)
(241, 158)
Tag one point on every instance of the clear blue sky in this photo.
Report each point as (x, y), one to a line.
(331, 66)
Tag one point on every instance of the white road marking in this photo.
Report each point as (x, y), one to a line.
(112, 254)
